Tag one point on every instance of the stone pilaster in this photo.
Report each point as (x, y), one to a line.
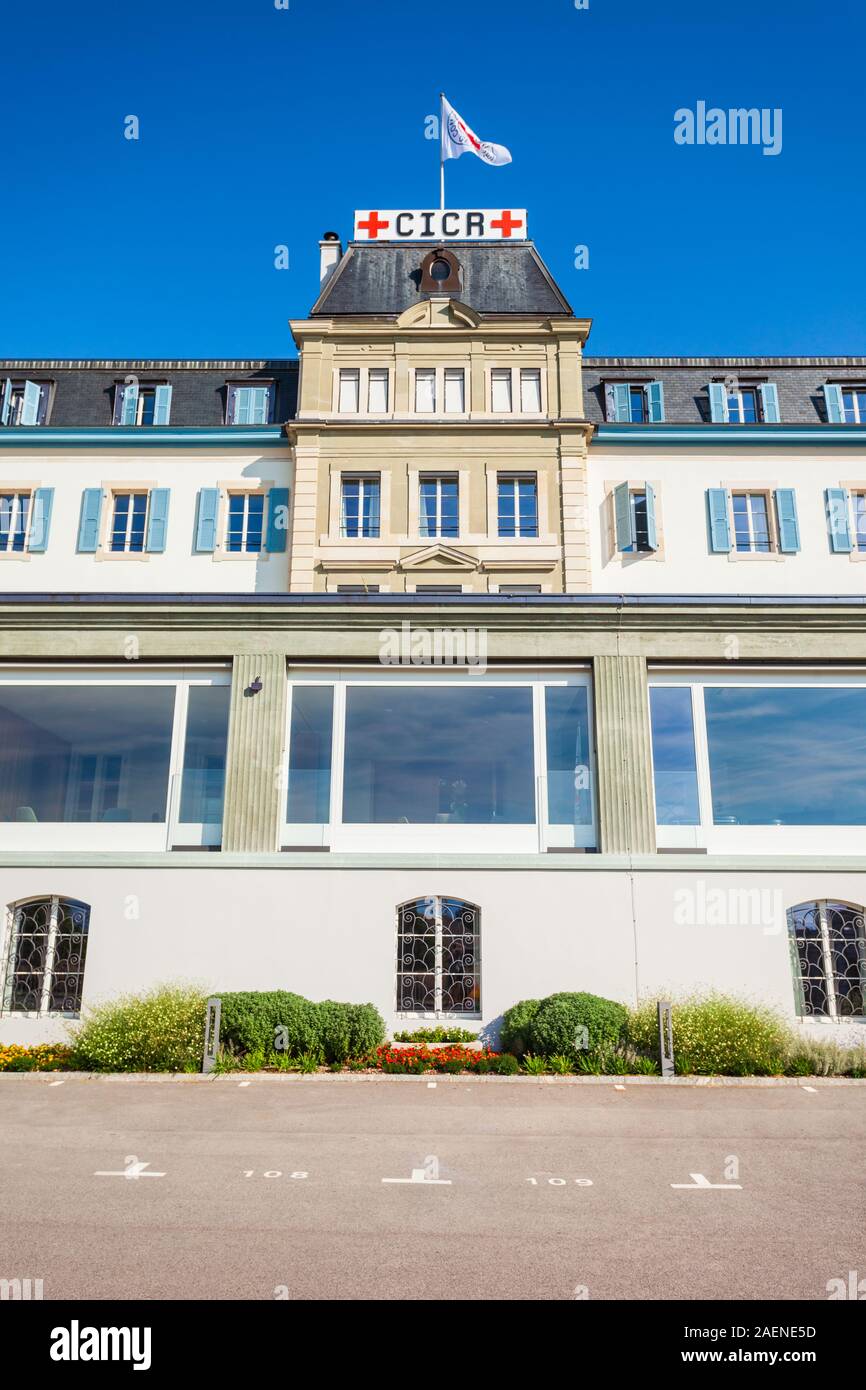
(257, 735)
(625, 792)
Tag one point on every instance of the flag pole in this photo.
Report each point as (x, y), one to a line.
(442, 150)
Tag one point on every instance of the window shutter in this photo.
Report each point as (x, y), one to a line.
(40, 520)
(7, 402)
(206, 519)
(127, 404)
(624, 518)
(656, 400)
(786, 512)
(259, 402)
(157, 520)
(278, 519)
(718, 405)
(717, 512)
(30, 404)
(837, 517)
(621, 402)
(240, 405)
(162, 405)
(835, 407)
(88, 527)
(651, 527)
(770, 403)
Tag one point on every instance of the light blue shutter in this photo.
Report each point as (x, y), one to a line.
(718, 404)
(624, 517)
(278, 519)
(651, 526)
(128, 404)
(656, 400)
(834, 404)
(157, 520)
(162, 405)
(7, 403)
(30, 404)
(789, 529)
(259, 406)
(621, 402)
(717, 513)
(88, 527)
(40, 520)
(206, 518)
(240, 405)
(770, 403)
(837, 517)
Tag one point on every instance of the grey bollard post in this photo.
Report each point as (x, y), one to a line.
(211, 1035)
(666, 1039)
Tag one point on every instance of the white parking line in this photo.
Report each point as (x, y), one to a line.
(134, 1169)
(241, 1084)
(55, 1083)
(618, 1087)
(813, 1089)
(701, 1184)
(431, 1085)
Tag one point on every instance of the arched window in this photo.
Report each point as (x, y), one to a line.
(438, 957)
(44, 957)
(828, 950)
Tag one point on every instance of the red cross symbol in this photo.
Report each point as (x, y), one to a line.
(507, 223)
(373, 225)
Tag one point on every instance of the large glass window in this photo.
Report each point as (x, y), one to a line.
(674, 761)
(439, 755)
(569, 783)
(787, 755)
(309, 779)
(204, 760)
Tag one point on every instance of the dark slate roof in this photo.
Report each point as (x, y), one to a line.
(83, 391)
(685, 380)
(497, 278)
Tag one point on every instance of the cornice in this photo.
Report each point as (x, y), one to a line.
(733, 436)
(143, 438)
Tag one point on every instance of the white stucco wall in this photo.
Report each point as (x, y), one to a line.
(179, 569)
(686, 565)
(331, 932)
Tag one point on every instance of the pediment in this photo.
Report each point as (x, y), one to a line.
(439, 557)
(439, 313)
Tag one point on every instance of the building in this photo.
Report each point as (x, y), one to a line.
(445, 666)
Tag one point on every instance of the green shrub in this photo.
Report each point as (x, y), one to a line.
(162, 1030)
(561, 1065)
(823, 1057)
(717, 1036)
(437, 1035)
(534, 1066)
(515, 1034)
(569, 1024)
(505, 1065)
(256, 1021)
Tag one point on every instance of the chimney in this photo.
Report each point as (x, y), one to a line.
(330, 255)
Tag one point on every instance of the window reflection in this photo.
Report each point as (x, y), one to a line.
(309, 791)
(204, 761)
(674, 762)
(569, 791)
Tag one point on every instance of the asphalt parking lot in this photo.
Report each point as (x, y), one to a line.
(341, 1188)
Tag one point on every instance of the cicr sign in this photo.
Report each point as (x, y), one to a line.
(441, 224)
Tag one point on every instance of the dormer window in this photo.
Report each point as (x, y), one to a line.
(440, 273)
(846, 404)
(635, 402)
(250, 405)
(24, 402)
(137, 403)
(439, 269)
(734, 402)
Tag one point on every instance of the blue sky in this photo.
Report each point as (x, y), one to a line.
(261, 127)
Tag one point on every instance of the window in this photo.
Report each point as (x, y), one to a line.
(438, 588)
(500, 390)
(245, 524)
(350, 391)
(24, 402)
(439, 512)
(829, 956)
(359, 516)
(377, 391)
(14, 521)
(635, 403)
(85, 757)
(425, 390)
(634, 518)
(438, 957)
(138, 404)
(758, 762)
(754, 522)
(751, 522)
(737, 403)
(517, 506)
(250, 405)
(846, 403)
(129, 522)
(357, 588)
(44, 958)
(450, 758)
(530, 391)
(859, 500)
(455, 391)
(517, 589)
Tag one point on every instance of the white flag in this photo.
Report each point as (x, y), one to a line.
(458, 139)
